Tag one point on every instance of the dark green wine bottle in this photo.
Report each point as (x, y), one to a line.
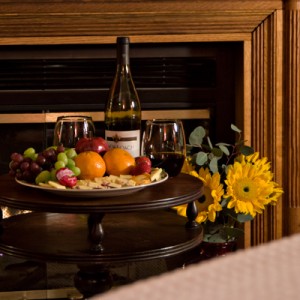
(123, 109)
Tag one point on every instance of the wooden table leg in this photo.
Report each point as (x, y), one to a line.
(96, 232)
(191, 213)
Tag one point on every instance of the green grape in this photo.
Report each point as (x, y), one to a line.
(59, 164)
(71, 153)
(71, 163)
(43, 177)
(62, 157)
(52, 147)
(53, 175)
(29, 152)
(75, 170)
(34, 156)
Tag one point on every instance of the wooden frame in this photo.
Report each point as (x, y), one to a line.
(98, 116)
(269, 112)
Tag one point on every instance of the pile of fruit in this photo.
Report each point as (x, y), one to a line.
(90, 160)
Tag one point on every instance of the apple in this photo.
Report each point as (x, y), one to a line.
(96, 144)
(142, 165)
(143, 159)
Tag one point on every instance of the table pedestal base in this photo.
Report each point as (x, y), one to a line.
(92, 280)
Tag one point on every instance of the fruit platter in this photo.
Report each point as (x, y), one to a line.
(90, 169)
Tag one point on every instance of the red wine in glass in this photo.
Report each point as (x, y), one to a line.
(169, 161)
(164, 144)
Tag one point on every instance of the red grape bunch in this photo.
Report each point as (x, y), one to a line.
(41, 167)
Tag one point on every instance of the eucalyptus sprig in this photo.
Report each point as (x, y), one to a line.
(209, 155)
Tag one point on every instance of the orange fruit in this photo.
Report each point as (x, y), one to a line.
(91, 165)
(118, 161)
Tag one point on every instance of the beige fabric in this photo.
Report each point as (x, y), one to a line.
(269, 271)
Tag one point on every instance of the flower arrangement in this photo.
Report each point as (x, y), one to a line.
(237, 183)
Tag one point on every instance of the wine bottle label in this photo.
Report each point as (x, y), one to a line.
(127, 140)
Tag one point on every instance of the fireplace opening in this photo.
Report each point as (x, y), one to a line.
(75, 78)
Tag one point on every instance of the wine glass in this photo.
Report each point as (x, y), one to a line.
(69, 129)
(164, 143)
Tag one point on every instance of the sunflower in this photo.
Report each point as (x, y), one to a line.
(209, 204)
(262, 164)
(249, 185)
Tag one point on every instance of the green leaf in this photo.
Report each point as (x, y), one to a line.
(242, 218)
(225, 201)
(213, 228)
(219, 233)
(197, 135)
(246, 150)
(215, 238)
(213, 165)
(231, 233)
(224, 144)
(224, 149)
(234, 128)
(201, 158)
(217, 152)
(229, 212)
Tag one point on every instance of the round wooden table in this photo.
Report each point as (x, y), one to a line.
(100, 231)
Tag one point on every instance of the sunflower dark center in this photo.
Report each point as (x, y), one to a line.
(246, 189)
(201, 199)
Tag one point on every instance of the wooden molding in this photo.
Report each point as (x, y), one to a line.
(267, 116)
(292, 118)
(69, 22)
(99, 116)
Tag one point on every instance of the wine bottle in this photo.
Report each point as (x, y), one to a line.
(123, 109)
